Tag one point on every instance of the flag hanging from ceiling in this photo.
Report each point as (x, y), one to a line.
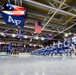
(37, 27)
(13, 15)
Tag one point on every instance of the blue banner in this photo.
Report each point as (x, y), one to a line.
(13, 20)
(14, 15)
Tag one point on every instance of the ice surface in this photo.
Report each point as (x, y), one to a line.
(37, 65)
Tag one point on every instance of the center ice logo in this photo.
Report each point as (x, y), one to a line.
(11, 20)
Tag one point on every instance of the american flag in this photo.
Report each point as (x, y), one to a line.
(37, 27)
(13, 10)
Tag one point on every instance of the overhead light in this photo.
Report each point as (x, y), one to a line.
(69, 33)
(66, 34)
(42, 38)
(16, 29)
(13, 35)
(36, 38)
(2, 34)
(50, 34)
(25, 36)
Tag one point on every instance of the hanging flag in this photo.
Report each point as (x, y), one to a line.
(37, 27)
(13, 15)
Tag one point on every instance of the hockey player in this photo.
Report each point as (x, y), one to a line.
(47, 51)
(60, 47)
(54, 48)
(74, 43)
(67, 46)
(51, 49)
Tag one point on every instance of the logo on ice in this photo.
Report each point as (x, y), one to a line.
(11, 20)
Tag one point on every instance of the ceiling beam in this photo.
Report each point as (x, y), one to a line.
(41, 15)
(28, 28)
(32, 25)
(63, 4)
(43, 23)
(46, 7)
(53, 15)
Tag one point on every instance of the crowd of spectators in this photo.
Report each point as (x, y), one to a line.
(9, 48)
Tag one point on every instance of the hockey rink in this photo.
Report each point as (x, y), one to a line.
(37, 65)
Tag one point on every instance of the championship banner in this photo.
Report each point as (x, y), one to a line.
(14, 15)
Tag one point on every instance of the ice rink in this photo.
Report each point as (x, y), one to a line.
(37, 65)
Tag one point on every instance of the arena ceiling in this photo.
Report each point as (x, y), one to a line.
(56, 16)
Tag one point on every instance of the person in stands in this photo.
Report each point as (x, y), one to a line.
(9, 47)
